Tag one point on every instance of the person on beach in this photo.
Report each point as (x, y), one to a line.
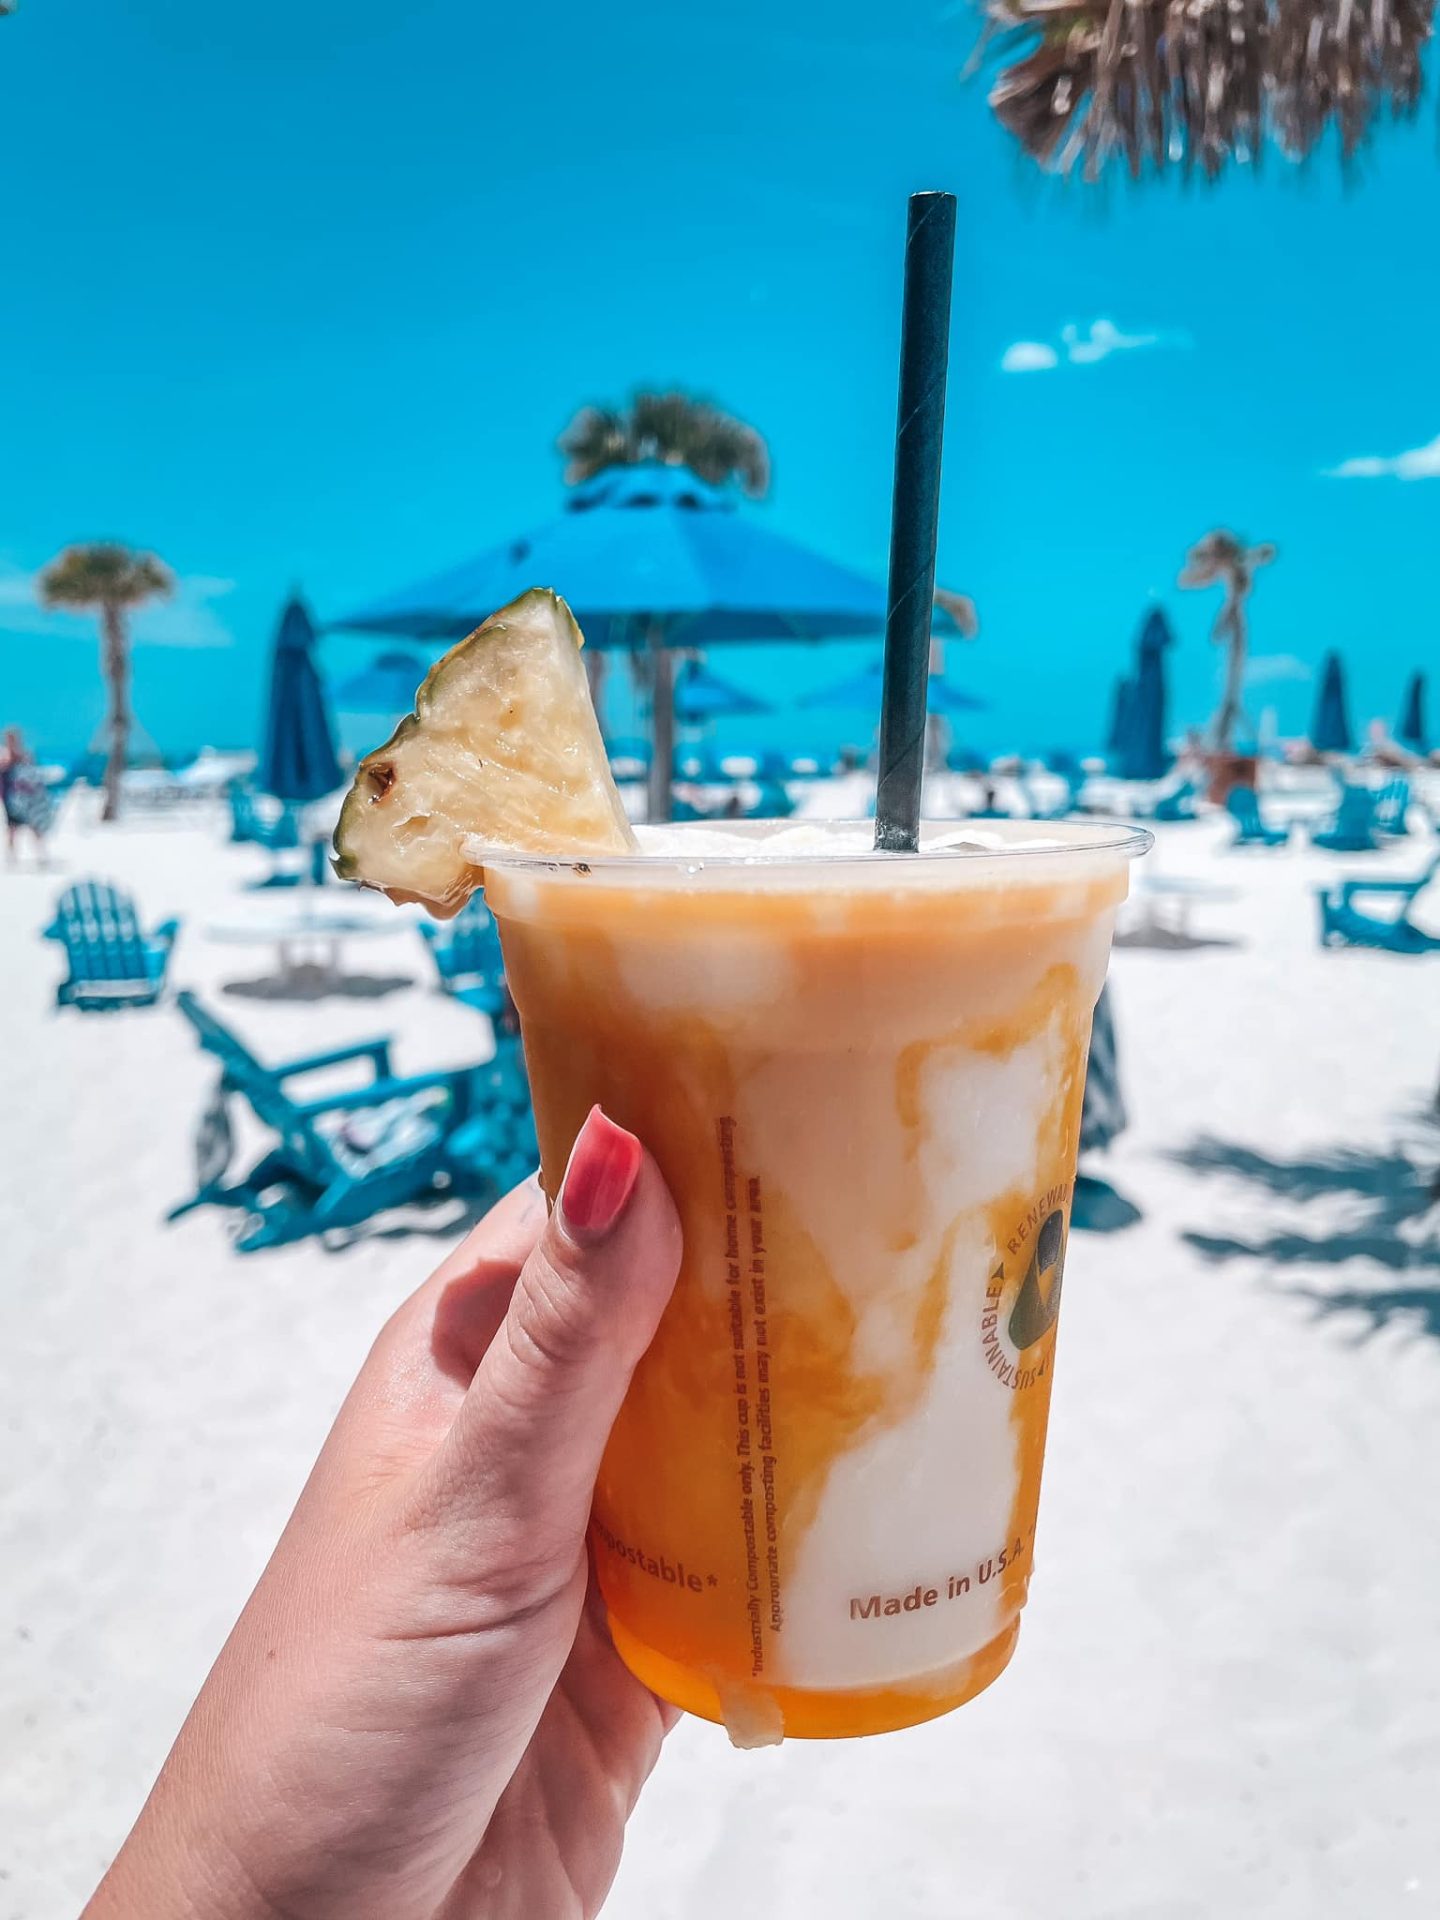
(23, 794)
(419, 1715)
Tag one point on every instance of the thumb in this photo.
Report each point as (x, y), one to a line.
(518, 1466)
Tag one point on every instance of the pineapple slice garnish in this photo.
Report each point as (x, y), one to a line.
(503, 749)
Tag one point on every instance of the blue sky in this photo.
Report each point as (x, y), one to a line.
(304, 294)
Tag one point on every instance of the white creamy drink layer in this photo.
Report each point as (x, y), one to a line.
(925, 1505)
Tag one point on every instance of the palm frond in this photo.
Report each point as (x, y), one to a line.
(104, 573)
(595, 439)
(961, 609)
(1153, 84)
(673, 428)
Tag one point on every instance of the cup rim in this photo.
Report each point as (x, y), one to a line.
(989, 840)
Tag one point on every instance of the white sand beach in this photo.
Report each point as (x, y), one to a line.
(1226, 1699)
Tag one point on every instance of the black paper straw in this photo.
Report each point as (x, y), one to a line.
(915, 516)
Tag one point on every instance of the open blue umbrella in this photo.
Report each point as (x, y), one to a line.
(297, 756)
(387, 685)
(1330, 729)
(1142, 754)
(643, 544)
(861, 694)
(1119, 712)
(1411, 731)
(650, 556)
(701, 696)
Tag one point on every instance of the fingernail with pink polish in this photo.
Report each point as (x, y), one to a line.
(604, 1166)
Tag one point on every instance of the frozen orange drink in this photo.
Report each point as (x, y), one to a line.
(861, 1075)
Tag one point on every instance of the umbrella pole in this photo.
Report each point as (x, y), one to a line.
(662, 722)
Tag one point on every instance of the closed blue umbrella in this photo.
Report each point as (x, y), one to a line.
(297, 757)
(1330, 730)
(701, 696)
(1119, 712)
(1142, 754)
(387, 685)
(650, 555)
(861, 694)
(1412, 732)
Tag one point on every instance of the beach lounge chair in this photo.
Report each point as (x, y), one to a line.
(989, 807)
(1343, 924)
(772, 801)
(341, 1156)
(496, 1144)
(1179, 804)
(1069, 801)
(277, 833)
(1352, 830)
(111, 962)
(468, 961)
(1392, 804)
(1250, 827)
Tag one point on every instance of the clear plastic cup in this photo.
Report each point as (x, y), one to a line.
(861, 1075)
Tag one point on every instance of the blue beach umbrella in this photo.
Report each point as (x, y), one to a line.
(861, 694)
(387, 685)
(649, 556)
(1142, 753)
(1411, 731)
(1120, 698)
(645, 544)
(297, 756)
(1330, 729)
(701, 696)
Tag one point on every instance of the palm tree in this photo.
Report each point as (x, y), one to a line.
(961, 609)
(1223, 560)
(680, 432)
(116, 579)
(673, 428)
(1196, 83)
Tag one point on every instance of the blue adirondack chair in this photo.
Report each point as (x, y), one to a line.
(1250, 828)
(1176, 805)
(1352, 830)
(1343, 924)
(496, 1144)
(772, 801)
(111, 962)
(340, 1156)
(467, 956)
(1392, 805)
(1069, 801)
(277, 833)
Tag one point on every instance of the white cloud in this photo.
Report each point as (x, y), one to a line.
(1084, 347)
(1103, 339)
(187, 619)
(1029, 356)
(1267, 668)
(1417, 463)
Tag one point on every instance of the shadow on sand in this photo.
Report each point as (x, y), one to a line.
(318, 983)
(1393, 1220)
(442, 1216)
(1170, 940)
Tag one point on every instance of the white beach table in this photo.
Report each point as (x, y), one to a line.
(1164, 901)
(306, 927)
